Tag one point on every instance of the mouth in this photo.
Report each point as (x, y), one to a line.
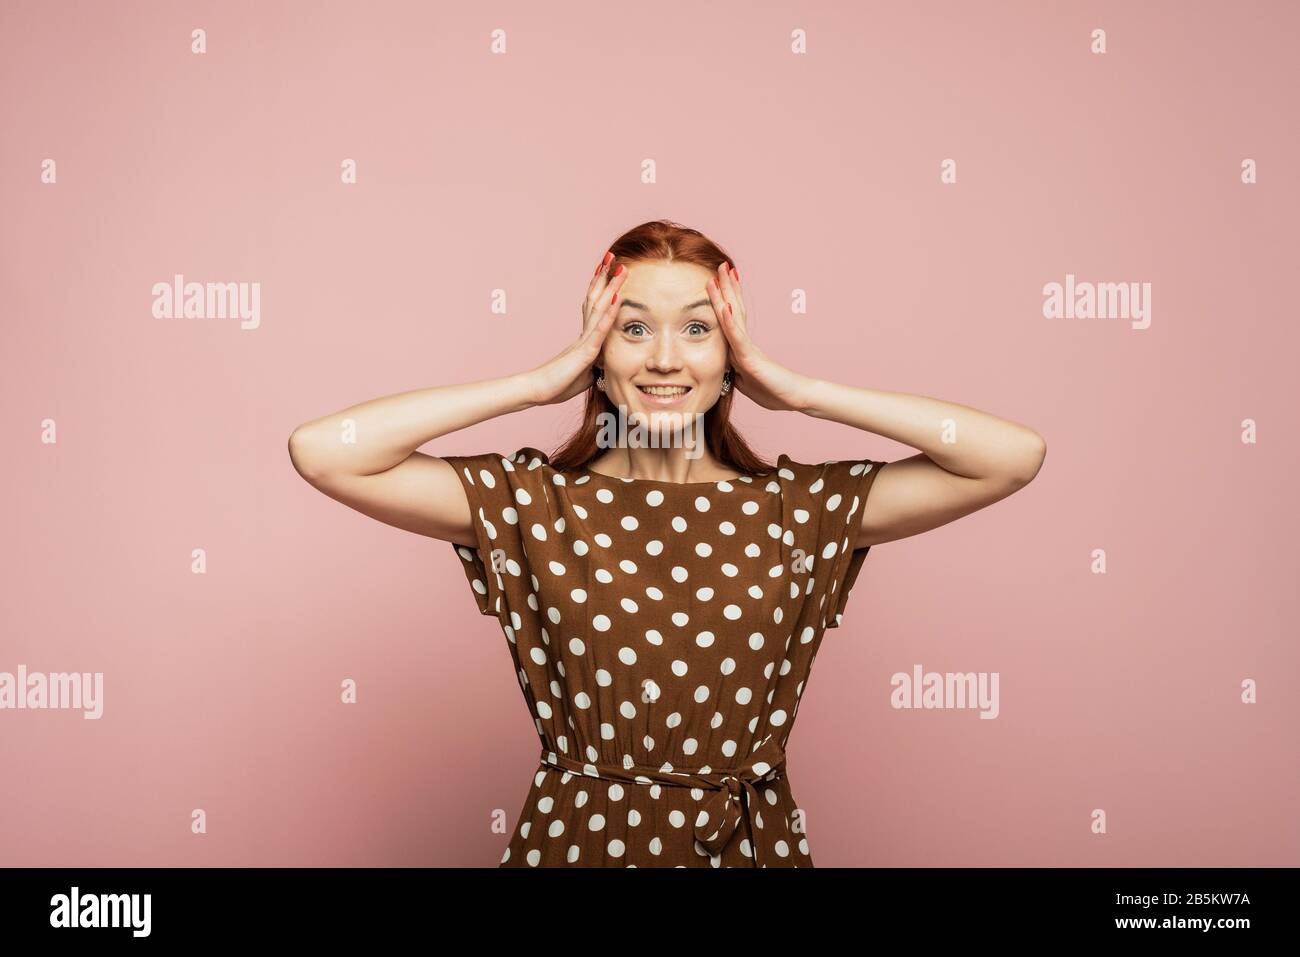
(664, 396)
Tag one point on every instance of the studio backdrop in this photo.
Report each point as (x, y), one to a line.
(1079, 217)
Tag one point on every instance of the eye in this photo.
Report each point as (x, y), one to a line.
(704, 327)
(631, 325)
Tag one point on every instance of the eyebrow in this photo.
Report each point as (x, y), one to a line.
(633, 304)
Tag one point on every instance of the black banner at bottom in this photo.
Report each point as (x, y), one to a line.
(238, 905)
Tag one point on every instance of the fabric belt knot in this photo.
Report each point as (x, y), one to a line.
(735, 795)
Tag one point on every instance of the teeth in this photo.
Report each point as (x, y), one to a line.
(664, 390)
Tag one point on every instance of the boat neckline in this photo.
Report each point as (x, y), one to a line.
(742, 479)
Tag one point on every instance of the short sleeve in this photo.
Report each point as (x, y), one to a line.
(839, 494)
(497, 487)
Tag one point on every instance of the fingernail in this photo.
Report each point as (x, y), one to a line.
(619, 270)
(736, 273)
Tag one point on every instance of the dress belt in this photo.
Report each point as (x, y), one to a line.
(720, 816)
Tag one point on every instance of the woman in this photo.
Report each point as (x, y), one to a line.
(663, 600)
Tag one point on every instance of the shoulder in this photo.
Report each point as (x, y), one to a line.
(491, 468)
(791, 471)
(827, 483)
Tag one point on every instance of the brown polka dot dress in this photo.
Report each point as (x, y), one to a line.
(662, 633)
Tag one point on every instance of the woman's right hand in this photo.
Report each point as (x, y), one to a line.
(569, 373)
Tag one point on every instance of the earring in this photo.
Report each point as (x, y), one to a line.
(726, 383)
(600, 382)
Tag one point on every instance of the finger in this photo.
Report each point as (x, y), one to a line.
(728, 287)
(601, 286)
(733, 287)
(606, 308)
(731, 320)
(600, 279)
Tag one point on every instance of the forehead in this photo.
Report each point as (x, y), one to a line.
(665, 287)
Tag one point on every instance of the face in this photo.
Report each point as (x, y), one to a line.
(665, 332)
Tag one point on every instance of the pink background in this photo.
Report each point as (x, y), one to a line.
(477, 172)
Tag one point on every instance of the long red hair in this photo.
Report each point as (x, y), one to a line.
(662, 240)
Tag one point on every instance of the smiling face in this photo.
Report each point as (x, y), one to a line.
(666, 332)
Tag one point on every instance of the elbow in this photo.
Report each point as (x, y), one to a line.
(305, 462)
(1030, 461)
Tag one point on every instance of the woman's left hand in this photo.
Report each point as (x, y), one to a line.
(768, 383)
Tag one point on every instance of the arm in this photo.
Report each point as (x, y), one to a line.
(988, 460)
(365, 456)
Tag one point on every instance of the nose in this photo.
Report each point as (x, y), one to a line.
(664, 356)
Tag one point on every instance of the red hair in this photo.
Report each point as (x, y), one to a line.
(662, 240)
